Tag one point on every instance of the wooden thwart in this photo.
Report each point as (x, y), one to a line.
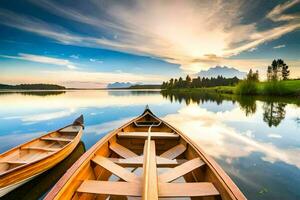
(181, 170)
(70, 129)
(116, 169)
(187, 189)
(174, 152)
(122, 151)
(144, 135)
(138, 162)
(110, 188)
(15, 162)
(135, 189)
(57, 139)
(41, 148)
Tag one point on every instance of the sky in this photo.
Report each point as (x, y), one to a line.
(94, 42)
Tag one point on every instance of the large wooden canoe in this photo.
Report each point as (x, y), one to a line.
(24, 162)
(145, 158)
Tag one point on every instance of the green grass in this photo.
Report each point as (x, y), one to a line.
(280, 88)
(246, 88)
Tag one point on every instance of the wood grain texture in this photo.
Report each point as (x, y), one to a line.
(174, 152)
(116, 169)
(138, 162)
(180, 170)
(122, 151)
(111, 188)
(187, 189)
(144, 135)
(150, 186)
(56, 139)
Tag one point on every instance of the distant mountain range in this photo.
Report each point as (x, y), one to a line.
(227, 72)
(119, 85)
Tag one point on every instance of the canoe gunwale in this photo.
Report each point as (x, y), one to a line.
(226, 182)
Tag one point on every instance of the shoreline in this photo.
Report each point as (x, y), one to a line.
(289, 88)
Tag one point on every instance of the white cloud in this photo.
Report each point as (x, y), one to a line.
(43, 59)
(209, 33)
(277, 13)
(252, 49)
(225, 141)
(102, 77)
(106, 126)
(96, 60)
(279, 46)
(33, 118)
(74, 56)
(274, 136)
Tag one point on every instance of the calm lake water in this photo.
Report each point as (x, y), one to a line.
(255, 140)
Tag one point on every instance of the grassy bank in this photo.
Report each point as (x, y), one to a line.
(280, 88)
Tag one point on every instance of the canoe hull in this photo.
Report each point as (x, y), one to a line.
(9, 188)
(93, 170)
(19, 175)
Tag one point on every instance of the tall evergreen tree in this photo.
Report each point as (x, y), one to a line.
(188, 81)
(180, 82)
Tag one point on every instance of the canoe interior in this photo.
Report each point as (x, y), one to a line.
(37, 149)
(117, 167)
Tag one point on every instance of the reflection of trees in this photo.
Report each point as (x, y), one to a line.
(34, 93)
(191, 97)
(274, 109)
(298, 121)
(274, 113)
(248, 104)
(119, 92)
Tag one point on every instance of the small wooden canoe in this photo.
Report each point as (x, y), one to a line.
(145, 158)
(26, 161)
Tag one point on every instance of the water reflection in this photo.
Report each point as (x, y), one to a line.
(258, 160)
(189, 98)
(37, 187)
(34, 93)
(133, 92)
(255, 140)
(247, 104)
(274, 113)
(274, 108)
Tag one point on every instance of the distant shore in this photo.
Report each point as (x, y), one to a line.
(53, 87)
(288, 88)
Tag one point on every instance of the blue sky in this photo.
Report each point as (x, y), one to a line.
(91, 43)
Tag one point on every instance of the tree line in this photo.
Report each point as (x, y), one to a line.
(32, 87)
(199, 82)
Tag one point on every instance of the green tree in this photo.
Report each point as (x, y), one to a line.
(171, 83)
(252, 76)
(164, 85)
(285, 72)
(180, 82)
(188, 81)
(277, 66)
